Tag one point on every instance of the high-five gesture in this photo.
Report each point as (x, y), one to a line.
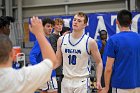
(36, 27)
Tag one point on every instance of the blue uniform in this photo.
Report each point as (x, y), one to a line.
(104, 55)
(36, 56)
(125, 48)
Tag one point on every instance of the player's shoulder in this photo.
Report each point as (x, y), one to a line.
(61, 38)
(86, 36)
(64, 36)
(91, 40)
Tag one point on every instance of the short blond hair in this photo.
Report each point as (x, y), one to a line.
(81, 14)
(58, 20)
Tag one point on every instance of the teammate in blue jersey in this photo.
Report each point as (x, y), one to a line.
(102, 44)
(36, 57)
(74, 50)
(123, 61)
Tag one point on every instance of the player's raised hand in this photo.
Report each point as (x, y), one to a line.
(36, 25)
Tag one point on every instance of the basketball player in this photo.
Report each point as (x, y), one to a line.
(36, 57)
(73, 50)
(123, 58)
(27, 79)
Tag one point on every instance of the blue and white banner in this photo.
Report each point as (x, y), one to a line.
(100, 21)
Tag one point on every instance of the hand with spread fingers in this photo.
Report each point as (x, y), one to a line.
(36, 25)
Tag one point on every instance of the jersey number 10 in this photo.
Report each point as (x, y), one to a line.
(72, 59)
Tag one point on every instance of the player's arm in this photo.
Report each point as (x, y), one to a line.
(108, 73)
(111, 54)
(37, 29)
(59, 52)
(96, 55)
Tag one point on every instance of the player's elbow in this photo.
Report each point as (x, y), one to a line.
(57, 64)
(99, 63)
(108, 69)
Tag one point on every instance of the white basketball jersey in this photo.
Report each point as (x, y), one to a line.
(75, 56)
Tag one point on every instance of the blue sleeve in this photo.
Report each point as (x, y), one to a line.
(34, 54)
(110, 48)
(99, 43)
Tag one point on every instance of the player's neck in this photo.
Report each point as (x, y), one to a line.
(56, 32)
(77, 34)
(6, 64)
(124, 29)
(47, 36)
